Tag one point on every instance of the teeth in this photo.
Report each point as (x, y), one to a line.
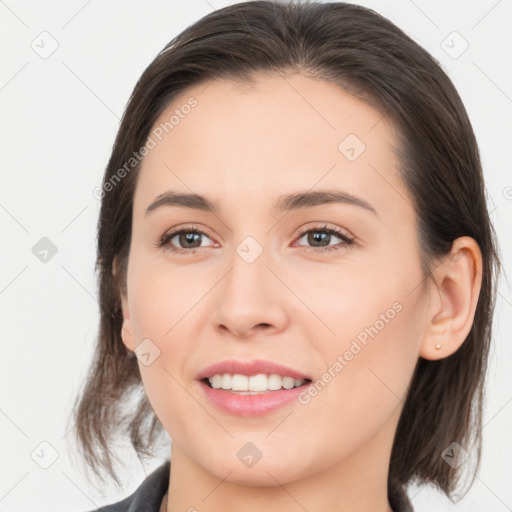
(260, 382)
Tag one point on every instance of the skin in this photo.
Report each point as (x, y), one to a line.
(243, 147)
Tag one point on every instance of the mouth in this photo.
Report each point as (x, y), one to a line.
(249, 402)
(251, 388)
(253, 385)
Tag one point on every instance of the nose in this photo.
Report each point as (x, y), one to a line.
(250, 299)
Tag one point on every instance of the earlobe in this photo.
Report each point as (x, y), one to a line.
(453, 301)
(126, 329)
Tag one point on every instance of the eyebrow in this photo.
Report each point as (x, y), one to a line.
(286, 203)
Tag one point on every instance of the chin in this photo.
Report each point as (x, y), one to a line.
(258, 478)
(264, 473)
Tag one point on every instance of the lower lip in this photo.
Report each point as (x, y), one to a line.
(250, 405)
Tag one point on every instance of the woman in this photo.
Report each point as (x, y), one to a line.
(296, 267)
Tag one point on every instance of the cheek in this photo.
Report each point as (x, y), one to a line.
(377, 359)
(374, 310)
(162, 298)
(364, 384)
(371, 347)
(162, 315)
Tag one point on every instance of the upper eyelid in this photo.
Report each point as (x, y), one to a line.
(302, 230)
(192, 228)
(326, 226)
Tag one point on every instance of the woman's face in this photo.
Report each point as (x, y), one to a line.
(260, 278)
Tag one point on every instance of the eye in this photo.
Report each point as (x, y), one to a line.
(323, 235)
(189, 240)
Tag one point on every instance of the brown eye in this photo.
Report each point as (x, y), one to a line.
(320, 239)
(186, 240)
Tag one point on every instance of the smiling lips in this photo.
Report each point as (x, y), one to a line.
(255, 383)
(251, 388)
(250, 368)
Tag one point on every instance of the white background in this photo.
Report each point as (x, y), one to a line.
(59, 117)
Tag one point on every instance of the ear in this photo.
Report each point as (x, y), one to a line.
(127, 328)
(453, 299)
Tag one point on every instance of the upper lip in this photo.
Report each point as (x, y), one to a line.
(249, 368)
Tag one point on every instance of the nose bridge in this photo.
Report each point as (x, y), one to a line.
(247, 282)
(248, 296)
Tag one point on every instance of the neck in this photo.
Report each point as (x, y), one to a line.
(165, 501)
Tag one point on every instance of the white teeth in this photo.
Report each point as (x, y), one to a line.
(288, 383)
(275, 382)
(216, 381)
(226, 381)
(260, 382)
(257, 382)
(240, 383)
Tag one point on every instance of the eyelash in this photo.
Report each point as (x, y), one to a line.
(347, 242)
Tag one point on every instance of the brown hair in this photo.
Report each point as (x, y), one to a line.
(367, 55)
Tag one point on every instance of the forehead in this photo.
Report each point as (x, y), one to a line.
(279, 133)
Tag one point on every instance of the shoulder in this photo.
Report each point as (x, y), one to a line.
(147, 497)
